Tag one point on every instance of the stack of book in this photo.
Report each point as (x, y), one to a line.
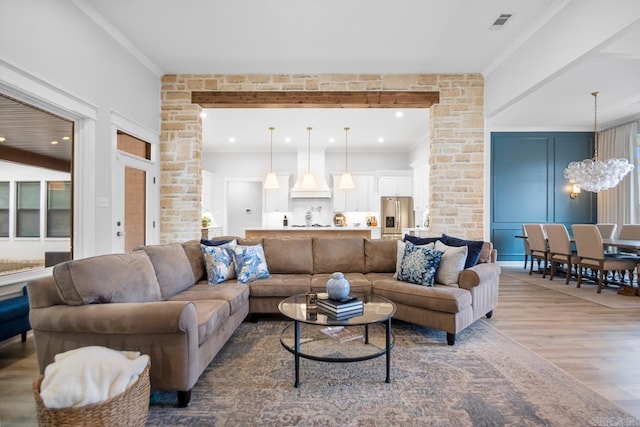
(341, 309)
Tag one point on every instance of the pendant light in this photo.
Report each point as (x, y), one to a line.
(594, 174)
(309, 181)
(271, 182)
(346, 182)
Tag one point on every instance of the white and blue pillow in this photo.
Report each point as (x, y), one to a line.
(419, 265)
(219, 262)
(250, 263)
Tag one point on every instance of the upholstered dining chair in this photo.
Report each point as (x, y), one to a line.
(628, 232)
(560, 249)
(527, 249)
(537, 246)
(591, 254)
(607, 231)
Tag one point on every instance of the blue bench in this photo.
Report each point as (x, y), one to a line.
(14, 316)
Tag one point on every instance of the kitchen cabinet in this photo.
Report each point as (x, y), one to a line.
(211, 232)
(277, 200)
(399, 183)
(362, 198)
(421, 187)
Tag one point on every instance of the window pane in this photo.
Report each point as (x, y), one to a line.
(59, 195)
(4, 222)
(28, 195)
(4, 195)
(59, 223)
(28, 223)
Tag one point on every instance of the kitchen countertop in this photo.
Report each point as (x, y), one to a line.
(284, 232)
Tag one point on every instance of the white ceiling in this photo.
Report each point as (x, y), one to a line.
(381, 37)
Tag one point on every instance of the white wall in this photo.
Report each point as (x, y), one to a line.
(56, 43)
(54, 53)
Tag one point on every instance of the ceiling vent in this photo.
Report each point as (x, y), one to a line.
(502, 20)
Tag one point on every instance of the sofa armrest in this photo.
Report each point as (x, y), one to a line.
(164, 317)
(479, 273)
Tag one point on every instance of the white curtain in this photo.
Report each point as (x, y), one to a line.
(619, 205)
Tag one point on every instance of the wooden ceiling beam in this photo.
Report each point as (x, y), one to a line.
(332, 99)
(16, 155)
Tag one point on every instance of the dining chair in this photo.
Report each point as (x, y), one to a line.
(607, 231)
(591, 255)
(560, 249)
(628, 232)
(537, 246)
(527, 249)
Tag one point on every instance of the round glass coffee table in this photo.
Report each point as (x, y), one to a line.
(316, 335)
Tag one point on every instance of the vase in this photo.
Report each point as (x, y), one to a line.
(338, 287)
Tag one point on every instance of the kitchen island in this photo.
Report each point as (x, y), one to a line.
(293, 232)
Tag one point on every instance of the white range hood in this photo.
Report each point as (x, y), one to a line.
(316, 167)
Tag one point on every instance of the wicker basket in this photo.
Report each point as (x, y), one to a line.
(126, 409)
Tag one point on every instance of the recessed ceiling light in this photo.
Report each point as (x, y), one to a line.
(381, 140)
(332, 140)
(2, 139)
(54, 142)
(399, 114)
(203, 114)
(232, 140)
(66, 138)
(287, 140)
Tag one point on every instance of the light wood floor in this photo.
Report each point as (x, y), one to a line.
(598, 345)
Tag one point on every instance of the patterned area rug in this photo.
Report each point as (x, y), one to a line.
(609, 297)
(486, 379)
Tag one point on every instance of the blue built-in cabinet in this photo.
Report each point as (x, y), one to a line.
(528, 185)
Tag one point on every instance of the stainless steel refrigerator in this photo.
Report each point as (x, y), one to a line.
(397, 213)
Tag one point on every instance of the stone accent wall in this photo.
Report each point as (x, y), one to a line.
(456, 155)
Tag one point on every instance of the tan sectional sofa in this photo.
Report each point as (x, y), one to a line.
(153, 301)
(157, 300)
(306, 264)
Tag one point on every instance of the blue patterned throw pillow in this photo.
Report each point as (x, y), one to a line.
(219, 263)
(250, 263)
(419, 265)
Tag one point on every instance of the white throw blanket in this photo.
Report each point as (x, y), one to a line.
(89, 375)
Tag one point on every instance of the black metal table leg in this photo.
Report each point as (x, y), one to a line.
(366, 334)
(388, 328)
(297, 352)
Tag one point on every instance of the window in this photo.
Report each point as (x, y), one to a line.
(58, 209)
(28, 209)
(4, 209)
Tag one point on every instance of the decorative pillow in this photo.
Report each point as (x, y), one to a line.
(219, 262)
(420, 240)
(214, 242)
(451, 264)
(250, 263)
(419, 265)
(108, 278)
(475, 247)
(400, 254)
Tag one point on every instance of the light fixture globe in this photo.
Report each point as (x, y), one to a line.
(593, 174)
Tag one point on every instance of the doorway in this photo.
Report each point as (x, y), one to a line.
(244, 205)
(133, 226)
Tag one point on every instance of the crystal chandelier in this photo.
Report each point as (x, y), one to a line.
(593, 174)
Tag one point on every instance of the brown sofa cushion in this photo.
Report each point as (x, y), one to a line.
(293, 256)
(380, 256)
(172, 268)
(126, 277)
(339, 254)
(194, 252)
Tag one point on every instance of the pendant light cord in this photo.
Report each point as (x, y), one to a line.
(595, 124)
(346, 149)
(271, 150)
(309, 152)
